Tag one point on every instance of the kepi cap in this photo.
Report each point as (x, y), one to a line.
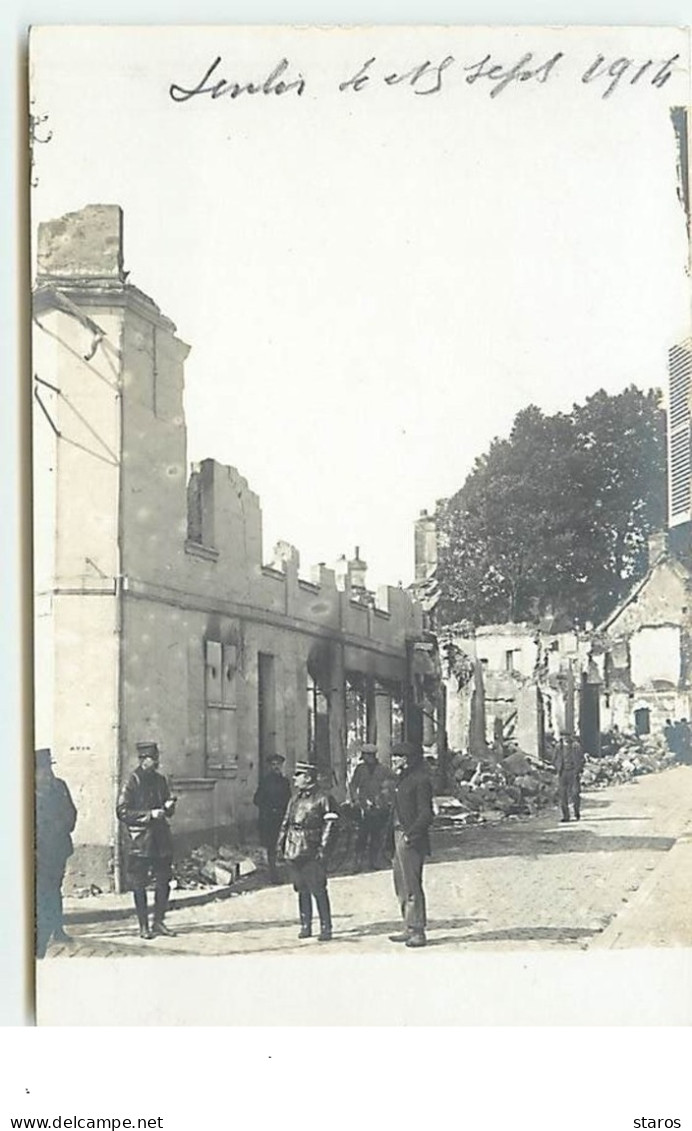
(147, 750)
(305, 768)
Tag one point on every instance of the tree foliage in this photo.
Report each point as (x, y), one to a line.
(556, 517)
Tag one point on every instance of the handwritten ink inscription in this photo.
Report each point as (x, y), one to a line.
(213, 84)
(430, 78)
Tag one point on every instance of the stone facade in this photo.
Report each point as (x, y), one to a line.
(156, 616)
(647, 647)
(632, 672)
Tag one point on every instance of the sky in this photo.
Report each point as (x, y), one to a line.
(374, 281)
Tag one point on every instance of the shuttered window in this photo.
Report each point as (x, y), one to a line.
(679, 462)
(221, 706)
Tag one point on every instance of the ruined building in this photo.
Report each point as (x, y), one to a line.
(542, 680)
(156, 615)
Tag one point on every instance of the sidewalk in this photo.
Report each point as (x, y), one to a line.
(112, 905)
(661, 912)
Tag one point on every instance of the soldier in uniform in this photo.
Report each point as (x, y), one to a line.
(271, 798)
(303, 842)
(371, 791)
(412, 816)
(144, 807)
(569, 763)
(56, 817)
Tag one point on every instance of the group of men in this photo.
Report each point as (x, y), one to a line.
(394, 809)
(395, 806)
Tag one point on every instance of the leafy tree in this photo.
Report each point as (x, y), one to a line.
(557, 515)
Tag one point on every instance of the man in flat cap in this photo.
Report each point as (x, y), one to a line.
(569, 763)
(303, 841)
(271, 798)
(412, 817)
(371, 790)
(56, 817)
(144, 807)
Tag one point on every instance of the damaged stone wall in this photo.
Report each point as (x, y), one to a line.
(150, 572)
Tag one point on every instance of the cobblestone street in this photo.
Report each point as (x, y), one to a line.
(619, 878)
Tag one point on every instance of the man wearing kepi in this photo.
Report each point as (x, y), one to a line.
(412, 817)
(56, 817)
(144, 807)
(303, 842)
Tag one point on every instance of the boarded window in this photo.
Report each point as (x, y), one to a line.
(221, 706)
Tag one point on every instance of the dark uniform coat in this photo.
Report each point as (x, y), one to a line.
(413, 807)
(271, 798)
(147, 839)
(56, 817)
(306, 829)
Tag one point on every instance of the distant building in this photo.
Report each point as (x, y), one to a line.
(542, 680)
(156, 615)
(647, 646)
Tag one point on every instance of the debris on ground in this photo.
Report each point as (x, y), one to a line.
(215, 866)
(634, 756)
(488, 791)
(512, 784)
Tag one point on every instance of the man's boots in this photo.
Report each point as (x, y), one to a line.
(140, 898)
(305, 912)
(325, 913)
(161, 893)
(416, 939)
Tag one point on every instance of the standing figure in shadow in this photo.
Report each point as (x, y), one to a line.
(303, 843)
(56, 818)
(271, 798)
(569, 763)
(144, 807)
(371, 791)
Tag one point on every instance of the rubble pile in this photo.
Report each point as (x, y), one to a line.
(633, 757)
(493, 790)
(208, 866)
(511, 785)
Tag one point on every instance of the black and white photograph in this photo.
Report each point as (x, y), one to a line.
(361, 368)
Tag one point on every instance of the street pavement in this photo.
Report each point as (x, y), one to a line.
(621, 877)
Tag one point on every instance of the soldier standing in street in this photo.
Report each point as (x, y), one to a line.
(371, 791)
(303, 842)
(412, 817)
(271, 798)
(56, 817)
(144, 807)
(569, 763)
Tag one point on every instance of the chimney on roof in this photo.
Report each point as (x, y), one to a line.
(425, 545)
(83, 245)
(658, 545)
(357, 570)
